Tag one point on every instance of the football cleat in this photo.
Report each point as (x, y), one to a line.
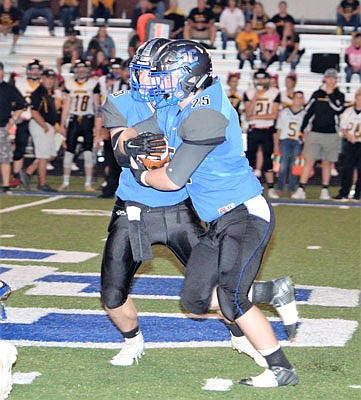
(243, 345)
(5, 290)
(325, 195)
(272, 377)
(8, 355)
(272, 194)
(132, 350)
(299, 194)
(285, 304)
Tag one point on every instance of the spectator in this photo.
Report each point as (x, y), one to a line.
(99, 65)
(259, 18)
(177, 16)
(10, 99)
(72, 50)
(102, 9)
(282, 17)
(233, 93)
(111, 83)
(273, 81)
(322, 142)
(350, 129)
(247, 43)
(269, 43)
(42, 126)
(38, 8)
(287, 141)
(247, 6)
(92, 49)
(200, 24)
(231, 22)
(106, 42)
(158, 8)
(67, 13)
(10, 17)
(144, 7)
(217, 7)
(290, 46)
(353, 58)
(288, 94)
(348, 14)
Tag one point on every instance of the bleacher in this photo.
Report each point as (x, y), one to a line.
(37, 43)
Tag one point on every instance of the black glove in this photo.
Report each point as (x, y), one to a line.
(146, 144)
(137, 168)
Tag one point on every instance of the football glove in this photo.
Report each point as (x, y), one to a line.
(137, 167)
(146, 144)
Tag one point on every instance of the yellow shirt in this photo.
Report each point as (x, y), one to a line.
(245, 40)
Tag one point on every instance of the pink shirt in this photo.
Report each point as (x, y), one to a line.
(270, 42)
(354, 56)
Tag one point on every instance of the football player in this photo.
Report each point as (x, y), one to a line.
(262, 106)
(26, 86)
(211, 164)
(80, 108)
(163, 217)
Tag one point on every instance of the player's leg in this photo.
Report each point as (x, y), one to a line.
(71, 141)
(87, 126)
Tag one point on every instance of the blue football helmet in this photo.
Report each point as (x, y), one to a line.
(141, 63)
(179, 68)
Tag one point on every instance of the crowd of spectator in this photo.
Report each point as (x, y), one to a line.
(271, 39)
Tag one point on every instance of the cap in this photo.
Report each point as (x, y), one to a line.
(49, 73)
(116, 62)
(293, 76)
(331, 73)
(110, 76)
(1, 65)
(271, 25)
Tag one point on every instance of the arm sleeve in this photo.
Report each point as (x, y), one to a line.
(309, 113)
(194, 129)
(185, 161)
(113, 118)
(148, 125)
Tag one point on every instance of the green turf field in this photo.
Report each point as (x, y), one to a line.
(332, 373)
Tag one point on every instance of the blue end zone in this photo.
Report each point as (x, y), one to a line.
(3, 269)
(57, 327)
(23, 254)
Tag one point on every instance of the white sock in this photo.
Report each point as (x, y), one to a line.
(88, 180)
(66, 180)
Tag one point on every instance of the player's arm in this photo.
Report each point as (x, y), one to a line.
(65, 113)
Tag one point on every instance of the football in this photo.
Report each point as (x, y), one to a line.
(154, 162)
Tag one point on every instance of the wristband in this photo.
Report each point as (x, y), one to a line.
(142, 178)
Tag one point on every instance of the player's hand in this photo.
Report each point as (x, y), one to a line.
(146, 144)
(137, 168)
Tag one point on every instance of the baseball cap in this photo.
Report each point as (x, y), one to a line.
(292, 75)
(1, 65)
(271, 25)
(49, 73)
(330, 73)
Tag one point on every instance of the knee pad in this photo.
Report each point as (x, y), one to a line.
(68, 159)
(113, 298)
(230, 308)
(88, 159)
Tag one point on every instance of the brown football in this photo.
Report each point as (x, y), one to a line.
(151, 162)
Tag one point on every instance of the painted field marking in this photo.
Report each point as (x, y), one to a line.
(70, 328)
(77, 212)
(32, 204)
(61, 256)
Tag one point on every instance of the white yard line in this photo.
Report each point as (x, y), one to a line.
(34, 203)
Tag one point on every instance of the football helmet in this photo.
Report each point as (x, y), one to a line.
(261, 79)
(81, 70)
(140, 66)
(33, 69)
(179, 68)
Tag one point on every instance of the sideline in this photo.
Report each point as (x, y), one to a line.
(34, 203)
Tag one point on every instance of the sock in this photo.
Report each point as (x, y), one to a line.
(16, 175)
(234, 329)
(270, 185)
(262, 292)
(324, 186)
(88, 180)
(131, 334)
(66, 180)
(275, 357)
(302, 186)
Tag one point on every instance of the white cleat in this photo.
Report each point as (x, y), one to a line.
(273, 377)
(272, 194)
(299, 194)
(132, 350)
(243, 345)
(8, 355)
(325, 195)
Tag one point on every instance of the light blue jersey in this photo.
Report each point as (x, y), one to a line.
(130, 113)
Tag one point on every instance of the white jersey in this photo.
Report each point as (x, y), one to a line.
(82, 96)
(263, 106)
(103, 88)
(286, 100)
(289, 123)
(351, 121)
(26, 88)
